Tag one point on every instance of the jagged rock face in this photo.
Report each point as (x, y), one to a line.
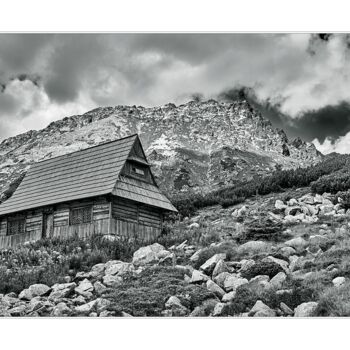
(197, 146)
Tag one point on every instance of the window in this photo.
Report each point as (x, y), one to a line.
(138, 171)
(15, 226)
(81, 215)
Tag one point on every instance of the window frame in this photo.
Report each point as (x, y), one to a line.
(134, 172)
(18, 219)
(83, 207)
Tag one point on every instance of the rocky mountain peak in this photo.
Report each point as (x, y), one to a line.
(197, 146)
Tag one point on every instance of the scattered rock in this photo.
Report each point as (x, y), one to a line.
(218, 309)
(110, 280)
(305, 309)
(261, 310)
(210, 264)
(278, 280)
(286, 309)
(61, 310)
(148, 255)
(338, 281)
(297, 243)
(198, 277)
(219, 268)
(232, 282)
(214, 288)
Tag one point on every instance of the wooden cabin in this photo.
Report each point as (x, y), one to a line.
(105, 189)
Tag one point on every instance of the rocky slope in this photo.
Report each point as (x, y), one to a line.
(195, 146)
(298, 271)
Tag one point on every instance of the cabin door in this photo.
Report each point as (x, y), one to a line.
(47, 225)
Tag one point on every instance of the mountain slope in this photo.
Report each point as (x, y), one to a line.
(197, 146)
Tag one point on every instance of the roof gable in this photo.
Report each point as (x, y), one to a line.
(86, 173)
(82, 174)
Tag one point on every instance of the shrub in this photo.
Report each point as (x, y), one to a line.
(146, 294)
(268, 268)
(228, 248)
(334, 302)
(262, 228)
(329, 175)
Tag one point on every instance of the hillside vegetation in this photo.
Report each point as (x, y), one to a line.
(330, 175)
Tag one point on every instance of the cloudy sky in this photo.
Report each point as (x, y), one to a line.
(301, 82)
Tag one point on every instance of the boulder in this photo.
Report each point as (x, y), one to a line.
(17, 311)
(318, 199)
(194, 225)
(259, 283)
(214, 288)
(305, 309)
(287, 251)
(280, 205)
(253, 247)
(198, 277)
(176, 307)
(210, 264)
(84, 287)
(119, 268)
(61, 310)
(196, 255)
(61, 290)
(293, 210)
(25, 295)
(261, 310)
(219, 268)
(148, 255)
(282, 263)
(232, 282)
(286, 309)
(297, 243)
(292, 202)
(99, 288)
(278, 280)
(85, 309)
(218, 309)
(338, 281)
(307, 199)
(326, 209)
(246, 265)
(220, 278)
(34, 291)
(290, 219)
(101, 304)
(228, 297)
(110, 280)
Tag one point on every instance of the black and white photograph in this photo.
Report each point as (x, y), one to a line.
(174, 175)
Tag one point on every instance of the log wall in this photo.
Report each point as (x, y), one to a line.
(134, 220)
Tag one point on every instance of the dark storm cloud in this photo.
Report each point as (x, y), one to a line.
(299, 81)
(327, 122)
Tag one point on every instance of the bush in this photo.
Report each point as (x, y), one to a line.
(206, 253)
(336, 167)
(146, 294)
(262, 228)
(49, 260)
(334, 302)
(268, 268)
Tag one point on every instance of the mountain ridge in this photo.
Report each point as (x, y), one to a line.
(196, 146)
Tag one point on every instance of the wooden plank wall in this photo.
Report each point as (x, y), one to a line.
(33, 230)
(34, 222)
(3, 227)
(12, 241)
(99, 224)
(133, 220)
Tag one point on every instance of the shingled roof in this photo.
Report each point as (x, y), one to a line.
(83, 174)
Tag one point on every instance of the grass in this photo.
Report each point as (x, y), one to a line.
(146, 294)
(334, 301)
